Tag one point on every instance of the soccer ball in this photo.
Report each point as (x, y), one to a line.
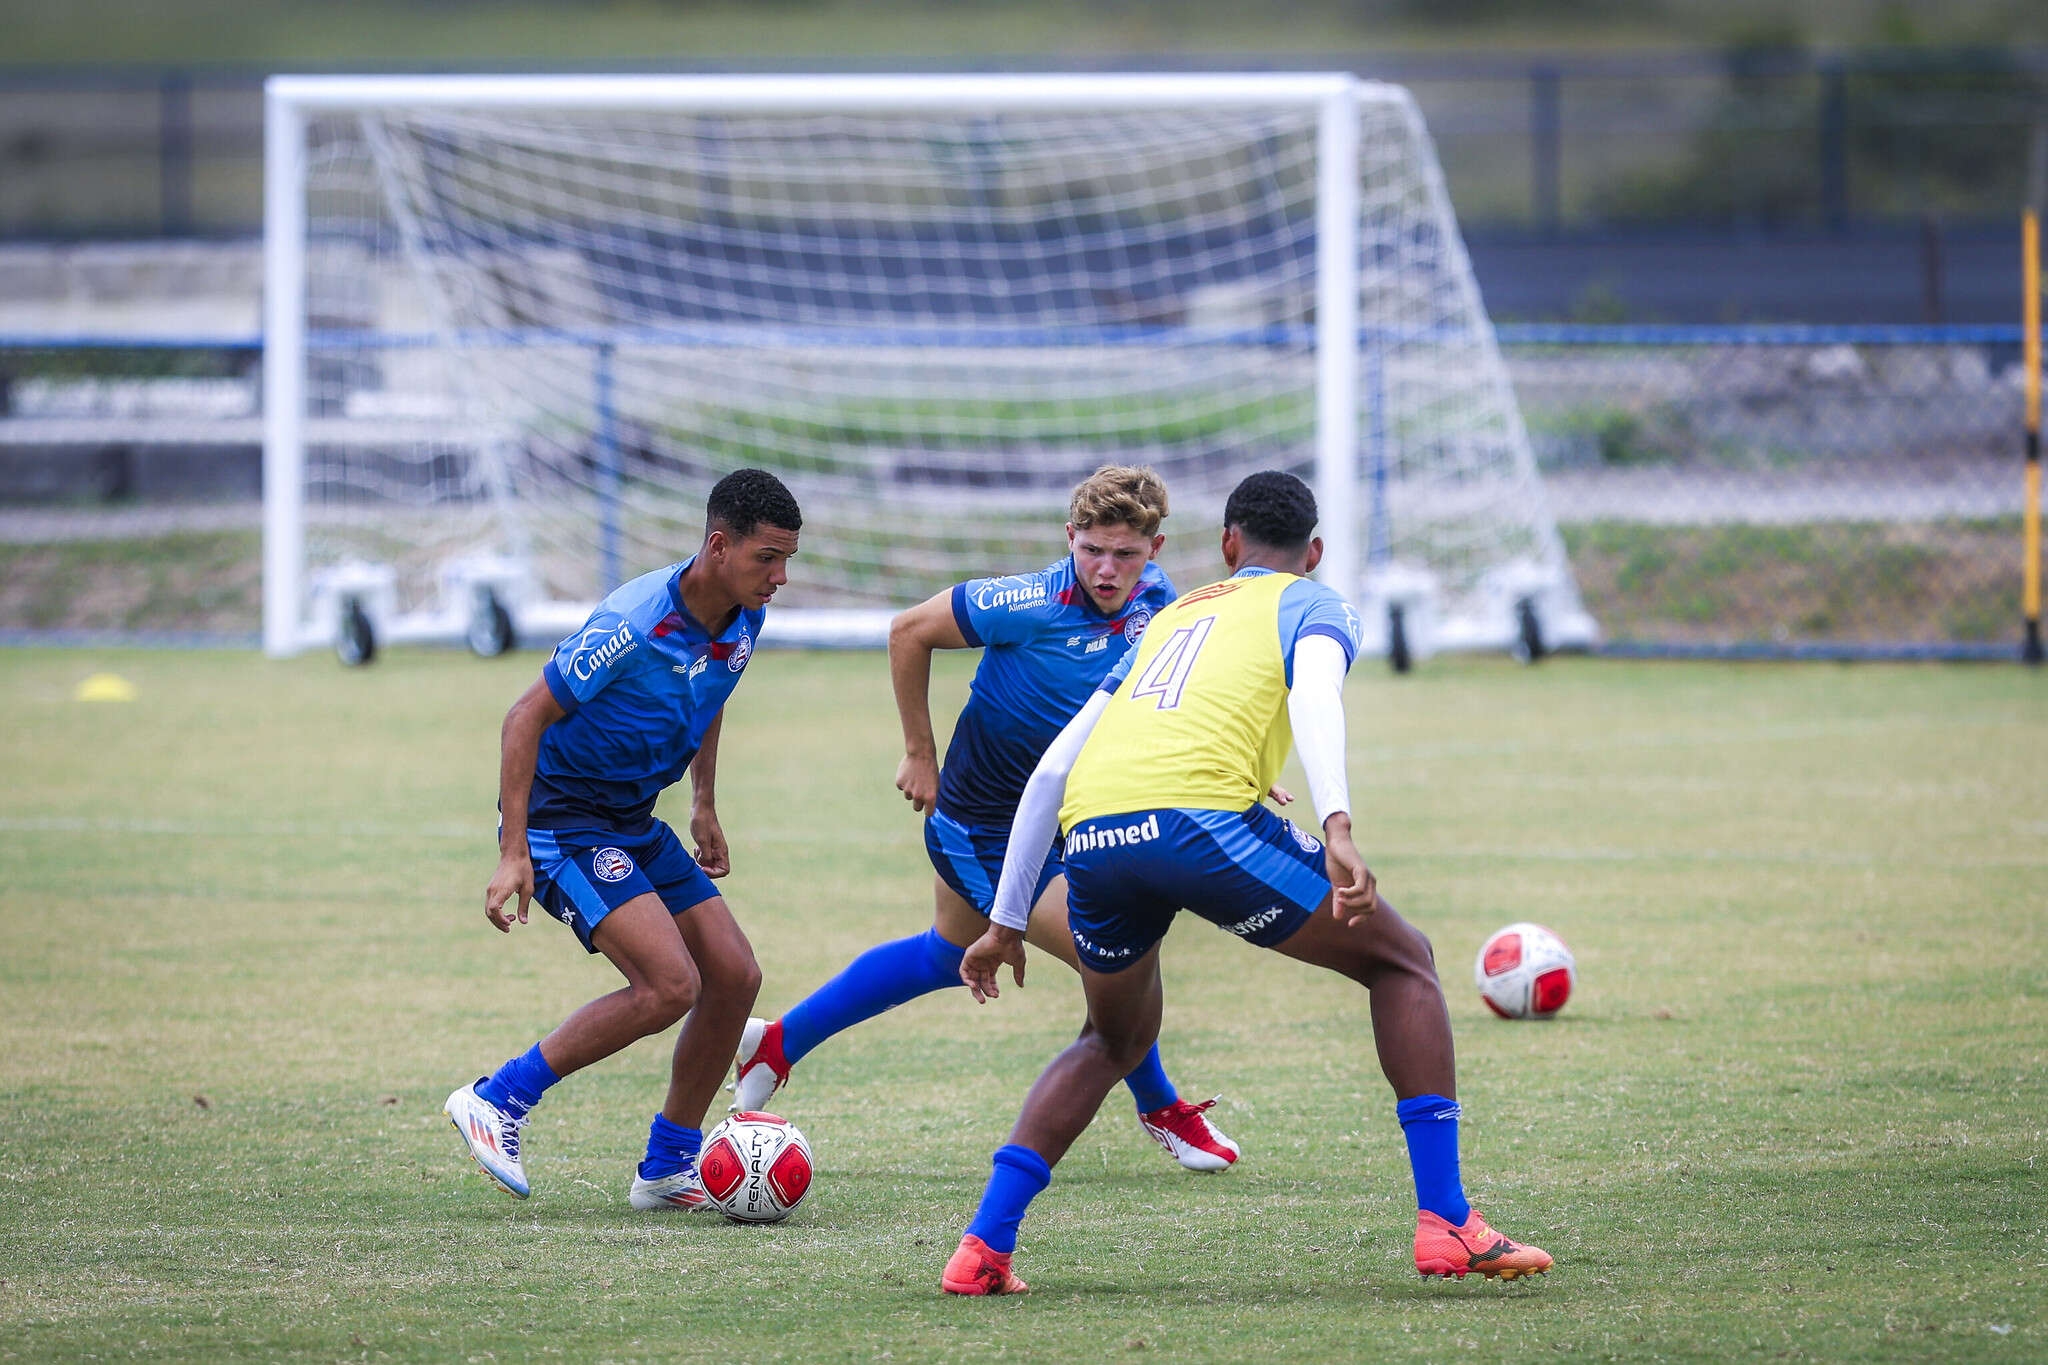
(1524, 972)
(756, 1167)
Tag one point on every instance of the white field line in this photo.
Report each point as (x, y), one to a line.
(1372, 753)
(1718, 737)
(1890, 789)
(479, 833)
(1755, 858)
(187, 829)
(1493, 853)
(648, 1231)
(1769, 732)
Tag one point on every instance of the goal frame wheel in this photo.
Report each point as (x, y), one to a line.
(490, 632)
(1529, 646)
(355, 640)
(1400, 656)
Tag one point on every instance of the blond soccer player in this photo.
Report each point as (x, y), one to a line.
(1047, 639)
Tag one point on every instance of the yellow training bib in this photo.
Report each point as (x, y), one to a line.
(1200, 722)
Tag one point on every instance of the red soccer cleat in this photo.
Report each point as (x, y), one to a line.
(975, 1269)
(1185, 1132)
(1441, 1249)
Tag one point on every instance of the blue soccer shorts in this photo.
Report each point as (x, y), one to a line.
(582, 875)
(970, 860)
(1248, 872)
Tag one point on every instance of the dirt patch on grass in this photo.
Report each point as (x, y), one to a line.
(1931, 582)
(210, 581)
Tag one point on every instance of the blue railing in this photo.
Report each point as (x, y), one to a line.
(1296, 336)
(1756, 334)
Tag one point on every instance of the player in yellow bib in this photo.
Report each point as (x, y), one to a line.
(1155, 786)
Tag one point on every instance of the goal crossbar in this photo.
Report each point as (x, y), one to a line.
(808, 94)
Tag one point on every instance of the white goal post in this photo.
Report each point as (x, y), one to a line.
(515, 326)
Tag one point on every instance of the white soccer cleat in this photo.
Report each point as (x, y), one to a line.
(1185, 1132)
(760, 1068)
(683, 1190)
(492, 1137)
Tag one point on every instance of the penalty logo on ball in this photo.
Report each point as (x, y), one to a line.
(756, 1167)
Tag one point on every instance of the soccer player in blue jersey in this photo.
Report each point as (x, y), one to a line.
(625, 707)
(1048, 638)
(1156, 784)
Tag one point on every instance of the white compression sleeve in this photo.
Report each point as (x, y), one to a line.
(1038, 818)
(1315, 708)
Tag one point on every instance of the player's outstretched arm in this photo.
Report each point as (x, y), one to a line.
(913, 635)
(712, 853)
(518, 749)
(1315, 710)
(1038, 818)
(1031, 836)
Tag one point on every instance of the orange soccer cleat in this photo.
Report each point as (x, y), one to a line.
(1441, 1249)
(975, 1269)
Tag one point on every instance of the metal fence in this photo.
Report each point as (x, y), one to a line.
(1791, 140)
(1788, 490)
(1747, 491)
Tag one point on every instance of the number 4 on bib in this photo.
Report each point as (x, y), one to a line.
(1167, 675)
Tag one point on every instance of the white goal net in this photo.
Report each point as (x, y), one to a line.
(518, 326)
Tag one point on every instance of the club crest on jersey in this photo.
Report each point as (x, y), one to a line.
(741, 652)
(1309, 843)
(1135, 623)
(611, 864)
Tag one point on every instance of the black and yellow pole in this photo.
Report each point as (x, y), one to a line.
(2030, 592)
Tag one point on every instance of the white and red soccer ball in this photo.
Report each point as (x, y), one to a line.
(756, 1167)
(1525, 972)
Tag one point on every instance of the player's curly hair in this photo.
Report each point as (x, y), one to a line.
(745, 498)
(1120, 493)
(1273, 508)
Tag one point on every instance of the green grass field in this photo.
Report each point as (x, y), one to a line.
(1798, 1109)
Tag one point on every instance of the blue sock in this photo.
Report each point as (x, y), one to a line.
(670, 1148)
(1430, 1123)
(1149, 1084)
(1020, 1175)
(518, 1085)
(879, 979)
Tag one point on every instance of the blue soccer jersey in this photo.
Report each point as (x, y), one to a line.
(1046, 646)
(641, 682)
